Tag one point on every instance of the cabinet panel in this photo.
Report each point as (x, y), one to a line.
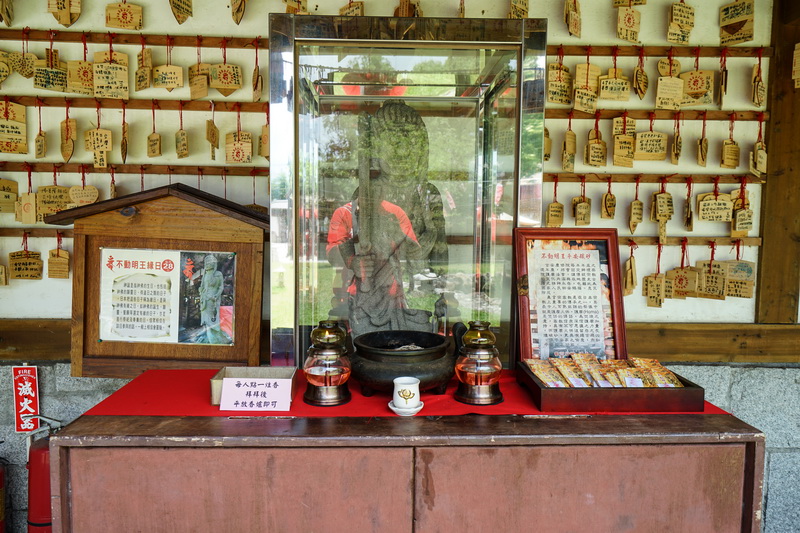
(397, 474)
(581, 488)
(240, 489)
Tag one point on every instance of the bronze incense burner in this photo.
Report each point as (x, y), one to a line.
(381, 356)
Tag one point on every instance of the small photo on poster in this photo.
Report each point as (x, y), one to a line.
(207, 298)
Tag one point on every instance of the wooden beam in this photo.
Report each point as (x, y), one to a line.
(64, 36)
(149, 169)
(695, 241)
(129, 368)
(30, 340)
(48, 340)
(34, 340)
(36, 232)
(175, 105)
(659, 51)
(779, 271)
(595, 177)
(715, 343)
(790, 12)
(603, 114)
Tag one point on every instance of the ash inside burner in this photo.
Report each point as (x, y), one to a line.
(407, 347)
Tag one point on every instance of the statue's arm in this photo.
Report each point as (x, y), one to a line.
(341, 248)
(219, 284)
(431, 234)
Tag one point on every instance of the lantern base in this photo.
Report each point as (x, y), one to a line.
(327, 396)
(479, 394)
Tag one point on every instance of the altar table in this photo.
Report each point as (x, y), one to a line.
(383, 473)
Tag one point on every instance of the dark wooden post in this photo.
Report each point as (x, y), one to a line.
(779, 272)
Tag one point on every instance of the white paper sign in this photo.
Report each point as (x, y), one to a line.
(570, 313)
(256, 394)
(167, 296)
(138, 299)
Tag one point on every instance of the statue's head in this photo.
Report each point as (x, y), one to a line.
(209, 263)
(401, 141)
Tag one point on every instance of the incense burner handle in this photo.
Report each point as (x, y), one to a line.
(459, 329)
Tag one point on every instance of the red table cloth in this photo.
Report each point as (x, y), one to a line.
(188, 393)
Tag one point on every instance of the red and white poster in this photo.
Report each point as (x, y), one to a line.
(25, 380)
(167, 296)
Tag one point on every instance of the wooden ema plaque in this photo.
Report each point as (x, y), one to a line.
(110, 75)
(192, 230)
(124, 16)
(182, 9)
(13, 128)
(688, 398)
(80, 77)
(25, 265)
(58, 264)
(8, 195)
(225, 78)
(5, 70)
(66, 12)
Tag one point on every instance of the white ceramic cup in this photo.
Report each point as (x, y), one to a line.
(406, 392)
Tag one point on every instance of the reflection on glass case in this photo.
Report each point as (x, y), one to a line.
(404, 152)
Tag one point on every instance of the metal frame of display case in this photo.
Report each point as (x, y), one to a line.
(292, 91)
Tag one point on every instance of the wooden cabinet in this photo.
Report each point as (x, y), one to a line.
(468, 473)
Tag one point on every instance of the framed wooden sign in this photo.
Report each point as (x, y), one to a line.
(569, 293)
(165, 278)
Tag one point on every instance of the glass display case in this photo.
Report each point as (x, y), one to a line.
(403, 153)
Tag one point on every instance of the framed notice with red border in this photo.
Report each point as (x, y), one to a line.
(569, 293)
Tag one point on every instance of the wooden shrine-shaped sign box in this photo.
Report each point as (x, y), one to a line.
(166, 278)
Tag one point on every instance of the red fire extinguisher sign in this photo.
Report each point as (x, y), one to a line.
(25, 380)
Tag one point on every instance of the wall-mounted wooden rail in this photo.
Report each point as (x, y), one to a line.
(662, 51)
(692, 241)
(36, 232)
(659, 114)
(135, 38)
(640, 241)
(178, 170)
(142, 103)
(101, 38)
(603, 177)
(261, 107)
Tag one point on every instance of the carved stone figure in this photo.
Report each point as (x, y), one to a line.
(394, 227)
(211, 286)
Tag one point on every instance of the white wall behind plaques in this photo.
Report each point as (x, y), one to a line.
(51, 298)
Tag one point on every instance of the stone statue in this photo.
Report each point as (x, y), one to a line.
(394, 226)
(211, 286)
